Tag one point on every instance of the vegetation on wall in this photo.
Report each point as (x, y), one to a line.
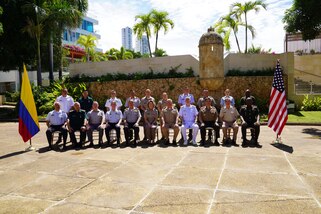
(264, 72)
(172, 73)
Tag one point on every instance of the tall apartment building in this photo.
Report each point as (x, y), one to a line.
(142, 45)
(127, 38)
(70, 36)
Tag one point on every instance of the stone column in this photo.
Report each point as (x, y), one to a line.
(211, 60)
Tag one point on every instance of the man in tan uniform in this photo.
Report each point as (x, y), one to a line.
(169, 118)
(229, 115)
(160, 106)
(207, 117)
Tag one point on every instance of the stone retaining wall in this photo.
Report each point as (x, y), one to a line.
(260, 86)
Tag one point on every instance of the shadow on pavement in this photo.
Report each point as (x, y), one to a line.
(12, 154)
(312, 131)
(283, 147)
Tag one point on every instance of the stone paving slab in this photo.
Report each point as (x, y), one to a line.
(163, 179)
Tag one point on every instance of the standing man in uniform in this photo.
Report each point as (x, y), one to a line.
(247, 94)
(227, 96)
(133, 97)
(201, 101)
(113, 98)
(56, 121)
(229, 115)
(188, 114)
(77, 122)
(96, 118)
(160, 106)
(250, 119)
(66, 102)
(169, 118)
(131, 118)
(181, 102)
(208, 117)
(86, 102)
(113, 119)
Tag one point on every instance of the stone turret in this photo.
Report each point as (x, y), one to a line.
(211, 61)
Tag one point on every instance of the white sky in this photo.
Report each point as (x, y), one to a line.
(191, 19)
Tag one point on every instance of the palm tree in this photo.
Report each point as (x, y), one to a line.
(224, 26)
(124, 54)
(35, 30)
(143, 26)
(63, 14)
(239, 9)
(160, 21)
(89, 43)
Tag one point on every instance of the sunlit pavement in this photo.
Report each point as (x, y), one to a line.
(161, 179)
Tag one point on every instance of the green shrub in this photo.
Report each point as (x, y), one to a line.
(172, 73)
(45, 96)
(311, 104)
(264, 72)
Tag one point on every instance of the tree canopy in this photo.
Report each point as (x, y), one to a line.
(305, 17)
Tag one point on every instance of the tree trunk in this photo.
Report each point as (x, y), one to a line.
(150, 51)
(156, 41)
(51, 67)
(39, 78)
(245, 33)
(237, 41)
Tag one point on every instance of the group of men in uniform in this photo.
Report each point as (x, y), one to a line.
(86, 117)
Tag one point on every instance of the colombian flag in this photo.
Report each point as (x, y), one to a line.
(28, 118)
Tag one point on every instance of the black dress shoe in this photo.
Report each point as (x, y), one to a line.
(91, 144)
(174, 143)
(202, 143)
(216, 143)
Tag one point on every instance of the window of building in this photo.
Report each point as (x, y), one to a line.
(65, 36)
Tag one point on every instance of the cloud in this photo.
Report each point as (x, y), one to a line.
(191, 18)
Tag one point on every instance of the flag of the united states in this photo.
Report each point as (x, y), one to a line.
(278, 113)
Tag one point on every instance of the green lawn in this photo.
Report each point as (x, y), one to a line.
(300, 117)
(305, 117)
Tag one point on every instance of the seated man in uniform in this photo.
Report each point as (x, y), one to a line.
(131, 118)
(77, 122)
(188, 114)
(113, 120)
(160, 106)
(207, 117)
(56, 121)
(96, 120)
(169, 118)
(250, 119)
(229, 115)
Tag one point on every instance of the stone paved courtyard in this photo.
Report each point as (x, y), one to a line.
(163, 180)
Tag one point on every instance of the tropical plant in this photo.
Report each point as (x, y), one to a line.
(258, 50)
(115, 54)
(160, 21)
(225, 25)
(304, 17)
(160, 52)
(1, 28)
(89, 44)
(240, 9)
(143, 27)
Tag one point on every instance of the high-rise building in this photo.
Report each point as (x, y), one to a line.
(127, 38)
(142, 45)
(70, 36)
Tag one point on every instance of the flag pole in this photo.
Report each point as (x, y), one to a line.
(30, 147)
